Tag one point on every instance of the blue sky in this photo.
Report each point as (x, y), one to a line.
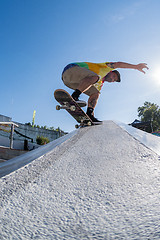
(39, 37)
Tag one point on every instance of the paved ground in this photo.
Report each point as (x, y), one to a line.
(100, 184)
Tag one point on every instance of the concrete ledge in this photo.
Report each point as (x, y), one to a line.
(149, 140)
(15, 163)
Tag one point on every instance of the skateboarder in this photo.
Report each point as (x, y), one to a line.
(88, 78)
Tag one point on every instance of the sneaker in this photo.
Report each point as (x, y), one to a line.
(81, 103)
(95, 120)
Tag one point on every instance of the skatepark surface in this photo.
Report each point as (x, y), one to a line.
(103, 182)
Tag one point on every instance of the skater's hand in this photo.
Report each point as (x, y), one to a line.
(140, 67)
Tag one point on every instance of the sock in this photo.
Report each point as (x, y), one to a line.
(76, 94)
(90, 111)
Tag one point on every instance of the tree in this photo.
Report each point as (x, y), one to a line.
(150, 112)
(52, 128)
(29, 124)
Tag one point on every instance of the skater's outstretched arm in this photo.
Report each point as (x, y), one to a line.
(138, 67)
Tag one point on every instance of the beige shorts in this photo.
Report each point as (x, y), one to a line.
(72, 77)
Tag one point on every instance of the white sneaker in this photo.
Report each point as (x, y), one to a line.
(81, 103)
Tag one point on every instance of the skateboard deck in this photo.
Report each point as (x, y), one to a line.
(69, 104)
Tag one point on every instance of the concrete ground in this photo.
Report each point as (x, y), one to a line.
(100, 184)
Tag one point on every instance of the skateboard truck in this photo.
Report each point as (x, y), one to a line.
(83, 124)
(66, 106)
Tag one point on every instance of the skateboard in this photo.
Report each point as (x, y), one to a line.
(69, 104)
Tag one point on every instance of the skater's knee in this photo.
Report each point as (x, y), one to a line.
(90, 79)
(95, 95)
(94, 79)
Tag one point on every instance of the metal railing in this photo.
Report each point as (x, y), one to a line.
(9, 127)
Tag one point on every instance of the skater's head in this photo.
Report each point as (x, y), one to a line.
(118, 75)
(113, 76)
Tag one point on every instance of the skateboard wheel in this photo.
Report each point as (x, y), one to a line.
(58, 107)
(72, 108)
(76, 126)
(89, 124)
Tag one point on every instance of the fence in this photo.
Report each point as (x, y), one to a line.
(9, 128)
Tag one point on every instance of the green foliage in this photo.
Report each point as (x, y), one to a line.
(42, 140)
(44, 127)
(29, 124)
(52, 128)
(150, 112)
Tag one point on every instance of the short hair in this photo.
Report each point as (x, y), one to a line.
(118, 75)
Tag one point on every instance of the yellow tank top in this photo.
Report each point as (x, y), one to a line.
(100, 68)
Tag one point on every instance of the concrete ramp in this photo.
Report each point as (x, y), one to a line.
(101, 183)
